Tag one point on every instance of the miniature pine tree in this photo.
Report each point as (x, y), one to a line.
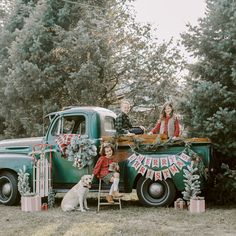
(51, 198)
(192, 183)
(23, 181)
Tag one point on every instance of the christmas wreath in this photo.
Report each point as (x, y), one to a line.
(80, 151)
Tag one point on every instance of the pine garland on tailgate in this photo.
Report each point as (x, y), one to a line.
(23, 182)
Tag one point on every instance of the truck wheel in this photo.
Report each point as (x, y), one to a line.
(9, 194)
(156, 193)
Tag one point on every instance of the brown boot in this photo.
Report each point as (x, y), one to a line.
(116, 194)
(109, 199)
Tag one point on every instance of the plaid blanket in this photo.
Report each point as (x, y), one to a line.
(64, 140)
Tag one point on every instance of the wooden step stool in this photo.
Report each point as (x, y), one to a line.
(117, 201)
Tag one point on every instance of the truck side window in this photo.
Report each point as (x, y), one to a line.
(109, 125)
(74, 125)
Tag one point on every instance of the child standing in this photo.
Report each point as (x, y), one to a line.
(168, 123)
(108, 170)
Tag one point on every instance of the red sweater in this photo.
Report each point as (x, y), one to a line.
(101, 168)
(156, 129)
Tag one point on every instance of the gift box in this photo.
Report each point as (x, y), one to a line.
(180, 204)
(197, 205)
(31, 203)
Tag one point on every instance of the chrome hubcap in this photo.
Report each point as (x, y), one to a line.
(156, 190)
(6, 189)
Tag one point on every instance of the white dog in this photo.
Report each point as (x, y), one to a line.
(77, 195)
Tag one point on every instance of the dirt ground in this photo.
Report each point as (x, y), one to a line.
(133, 219)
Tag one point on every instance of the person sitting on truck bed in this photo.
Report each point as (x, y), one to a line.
(123, 124)
(168, 123)
(108, 170)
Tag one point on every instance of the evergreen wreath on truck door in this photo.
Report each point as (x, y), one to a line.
(81, 150)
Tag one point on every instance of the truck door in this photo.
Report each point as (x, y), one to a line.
(63, 173)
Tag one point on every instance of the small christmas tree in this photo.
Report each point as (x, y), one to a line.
(51, 198)
(192, 183)
(23, 182)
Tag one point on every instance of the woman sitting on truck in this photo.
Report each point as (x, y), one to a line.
(167, 123)
(108, 170)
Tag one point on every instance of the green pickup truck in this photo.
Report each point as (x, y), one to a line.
(153, 167)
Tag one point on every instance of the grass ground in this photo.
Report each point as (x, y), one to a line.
(133, 219)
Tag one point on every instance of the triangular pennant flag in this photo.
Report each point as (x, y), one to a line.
(150, 174)
(179, 164)
(164, 161)
(172, 159)
(173, 169)
(140, 158)
(142, 170)
(147, 161)
(155, 162)
(185, 157)
(166, 173)
(132, 157)
(136, 164)
(157, 175)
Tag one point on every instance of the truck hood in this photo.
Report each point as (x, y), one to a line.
(21, 145)
(29, 142)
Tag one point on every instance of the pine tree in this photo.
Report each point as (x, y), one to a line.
(191, 182)
(210, 99)
(23, 181)
(78, 53)
(51, 198)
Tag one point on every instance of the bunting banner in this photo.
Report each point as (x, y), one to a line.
(158, 175)
(142, 170)
(136, 165)
(155, 162)
(150, 166)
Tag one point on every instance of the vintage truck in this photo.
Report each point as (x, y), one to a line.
(152, 166)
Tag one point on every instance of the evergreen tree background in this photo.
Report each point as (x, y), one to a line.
(83, 52)
(94, 53)
(209, 109)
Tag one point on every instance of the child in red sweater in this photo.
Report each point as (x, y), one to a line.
(108, 170)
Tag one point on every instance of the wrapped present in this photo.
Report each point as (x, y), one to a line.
(31, 203)
(180, 204)
(197, 205)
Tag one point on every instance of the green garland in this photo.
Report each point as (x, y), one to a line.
(81, 150)
(157, 145)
